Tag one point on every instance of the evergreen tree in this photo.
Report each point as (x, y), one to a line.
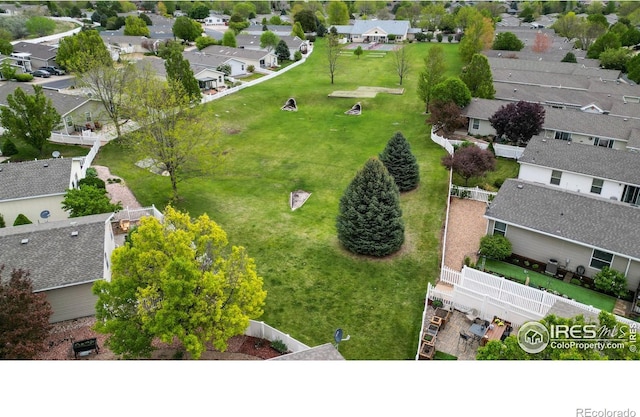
(401, 163)
(179, 71)
(282, 51)
(477, 76)
(370, 218)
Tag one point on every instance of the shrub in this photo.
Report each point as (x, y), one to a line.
(439, 37)
(24, 77)
(392, 37)
(437, 303)
(420, 37)
(92, 182)
(450, 38)
(428, 36)
(495, 247)
(311, 38)
(576, 281)
(251, 68)
(279, 346)
(21, 219)
(297, 56)
(91, 172)
(9, 148)
(2, 223)
(535, 266)
(611, 281)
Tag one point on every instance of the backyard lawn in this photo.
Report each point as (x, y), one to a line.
(580, 294)
(505, 168)
(314, 286)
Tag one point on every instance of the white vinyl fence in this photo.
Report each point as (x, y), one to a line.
(475, 193)
(264, 331)
(505, 151)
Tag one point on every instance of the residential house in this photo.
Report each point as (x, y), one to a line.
(294, 43)
(208, 78)
(64, 259)
(121, 45)
(216, 20)
(37, 188)
(257, 29)
(31, 56)
(377, 31)
(257, 59)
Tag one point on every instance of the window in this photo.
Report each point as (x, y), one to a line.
(68, 120)
(476, 123)
(596, 186)
(555, 177)
(600, 259)
(87, 116)
(605, 143)
(630, 194)
(563, 135)
(500, 228)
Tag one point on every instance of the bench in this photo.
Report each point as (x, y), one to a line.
(86, 345)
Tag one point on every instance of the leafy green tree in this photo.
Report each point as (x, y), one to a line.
(21, 219)
(179, 72)
(631, 37)
(7, 70)
(29, 117)
(333, 52)
(134, 26)
(2, 222)
(229, 39)
(40, 26)
(166, 134)
(82, 51)
(477, 76)
(477, 36)
(282, 51)
(24, 317)
(567, 25)
(177, 279)
(307, 20)
(401, 62)
(401, 163)
(199, 12)
(108, 84)
(246, 10)
(297, 31)
(611, 281)
(6, 48)
(358, 51)
(507, 41)
(495, 247)
(370, 218)
(615, 59)
(633, 69)
(269, 40)
(9, 148)
(204, 41)
(186, 29)
(607, 41)
(451, 89)
(88, 200)
(146, 19)
(569, 57)
(432, 74)
(338, 13)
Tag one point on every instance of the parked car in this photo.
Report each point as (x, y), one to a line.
(53, 70)
(41, 73)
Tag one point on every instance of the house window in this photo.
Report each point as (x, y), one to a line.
(476, 123)
(563, 135)
(555, 177)
(631, 195)
(499, 228)
(600, 259)
(596, 186)
(605, 143)
(87, 116)
(68, 120)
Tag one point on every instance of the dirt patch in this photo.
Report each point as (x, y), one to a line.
(366, 92)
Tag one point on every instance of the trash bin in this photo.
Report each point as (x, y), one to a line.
(552, 267)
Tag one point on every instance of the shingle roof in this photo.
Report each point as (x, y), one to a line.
(64, 103)
(552, 67)
(612, 164)
(237, 53)
(37, 50)
(32, 178)
(204, 59)
(392, 27)
(600, 223)
(246, 41)
(326, 352)
(52, 255)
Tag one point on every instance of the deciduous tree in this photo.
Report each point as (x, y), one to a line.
(477, 37)
(82, 51)
(432, 73)
(179, 72)
(401, 62)
(338, 13)
(470, 161)
(135, 26)
(445, 116)
(177, 279)
(333, 52)
(477, 76)
(615, 59)
(541, 43)
(269, 40)
(29, 117)
(370, 218)
(607, 41)
(451, 89)
(186, 29)
(229, 39)
(518, 121)
(307, 20)
(358, 51)
(24, 317)
(88, 200)
(297, 31)
(507, 41)
(401, 163)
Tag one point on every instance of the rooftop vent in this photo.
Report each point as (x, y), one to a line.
(45, 164)
(520, 186)
(74, 233)
(24, 241)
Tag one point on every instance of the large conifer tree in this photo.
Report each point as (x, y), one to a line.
(401, 163)
(370, 217)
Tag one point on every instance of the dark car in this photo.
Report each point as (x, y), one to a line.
(41, 73)
(53, 70)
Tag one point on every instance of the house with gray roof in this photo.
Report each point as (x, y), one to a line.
(252, 42)
(31, 56)
(202, 59)
(64, 258)
(375, 31)
(257, 58)
(580, 232)
(36, 188)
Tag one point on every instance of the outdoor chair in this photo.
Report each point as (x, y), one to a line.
(466, 340)
(472, 314)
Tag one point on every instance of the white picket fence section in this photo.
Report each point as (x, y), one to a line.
(264, 331)
(88, 159)
(442, 141)
(474, 193)
(450, 276)
(505, 151)
(87, 137)
(508, 151)
(137, 213)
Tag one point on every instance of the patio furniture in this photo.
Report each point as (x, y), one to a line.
(478, 331)
(472, 314)
(466, 340)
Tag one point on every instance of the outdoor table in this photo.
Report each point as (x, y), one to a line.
(478, 330)
(494, 333)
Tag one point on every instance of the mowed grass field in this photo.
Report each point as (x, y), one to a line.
(315, 286)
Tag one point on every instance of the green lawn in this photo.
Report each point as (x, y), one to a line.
(505, 168)
(580, 294)
(27, 153)
(313, 285)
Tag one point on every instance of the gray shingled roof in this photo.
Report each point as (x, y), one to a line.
(237, 53)
(204, 59)
(608, 225)
(253, 41)
(392, 27)
(54, 257)
(64, 103)
(32, 178)
(552, 67)
(37, 50)
(326, 352)
(594, 161)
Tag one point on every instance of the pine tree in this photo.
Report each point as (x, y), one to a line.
(401, 163)
(370, 217)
